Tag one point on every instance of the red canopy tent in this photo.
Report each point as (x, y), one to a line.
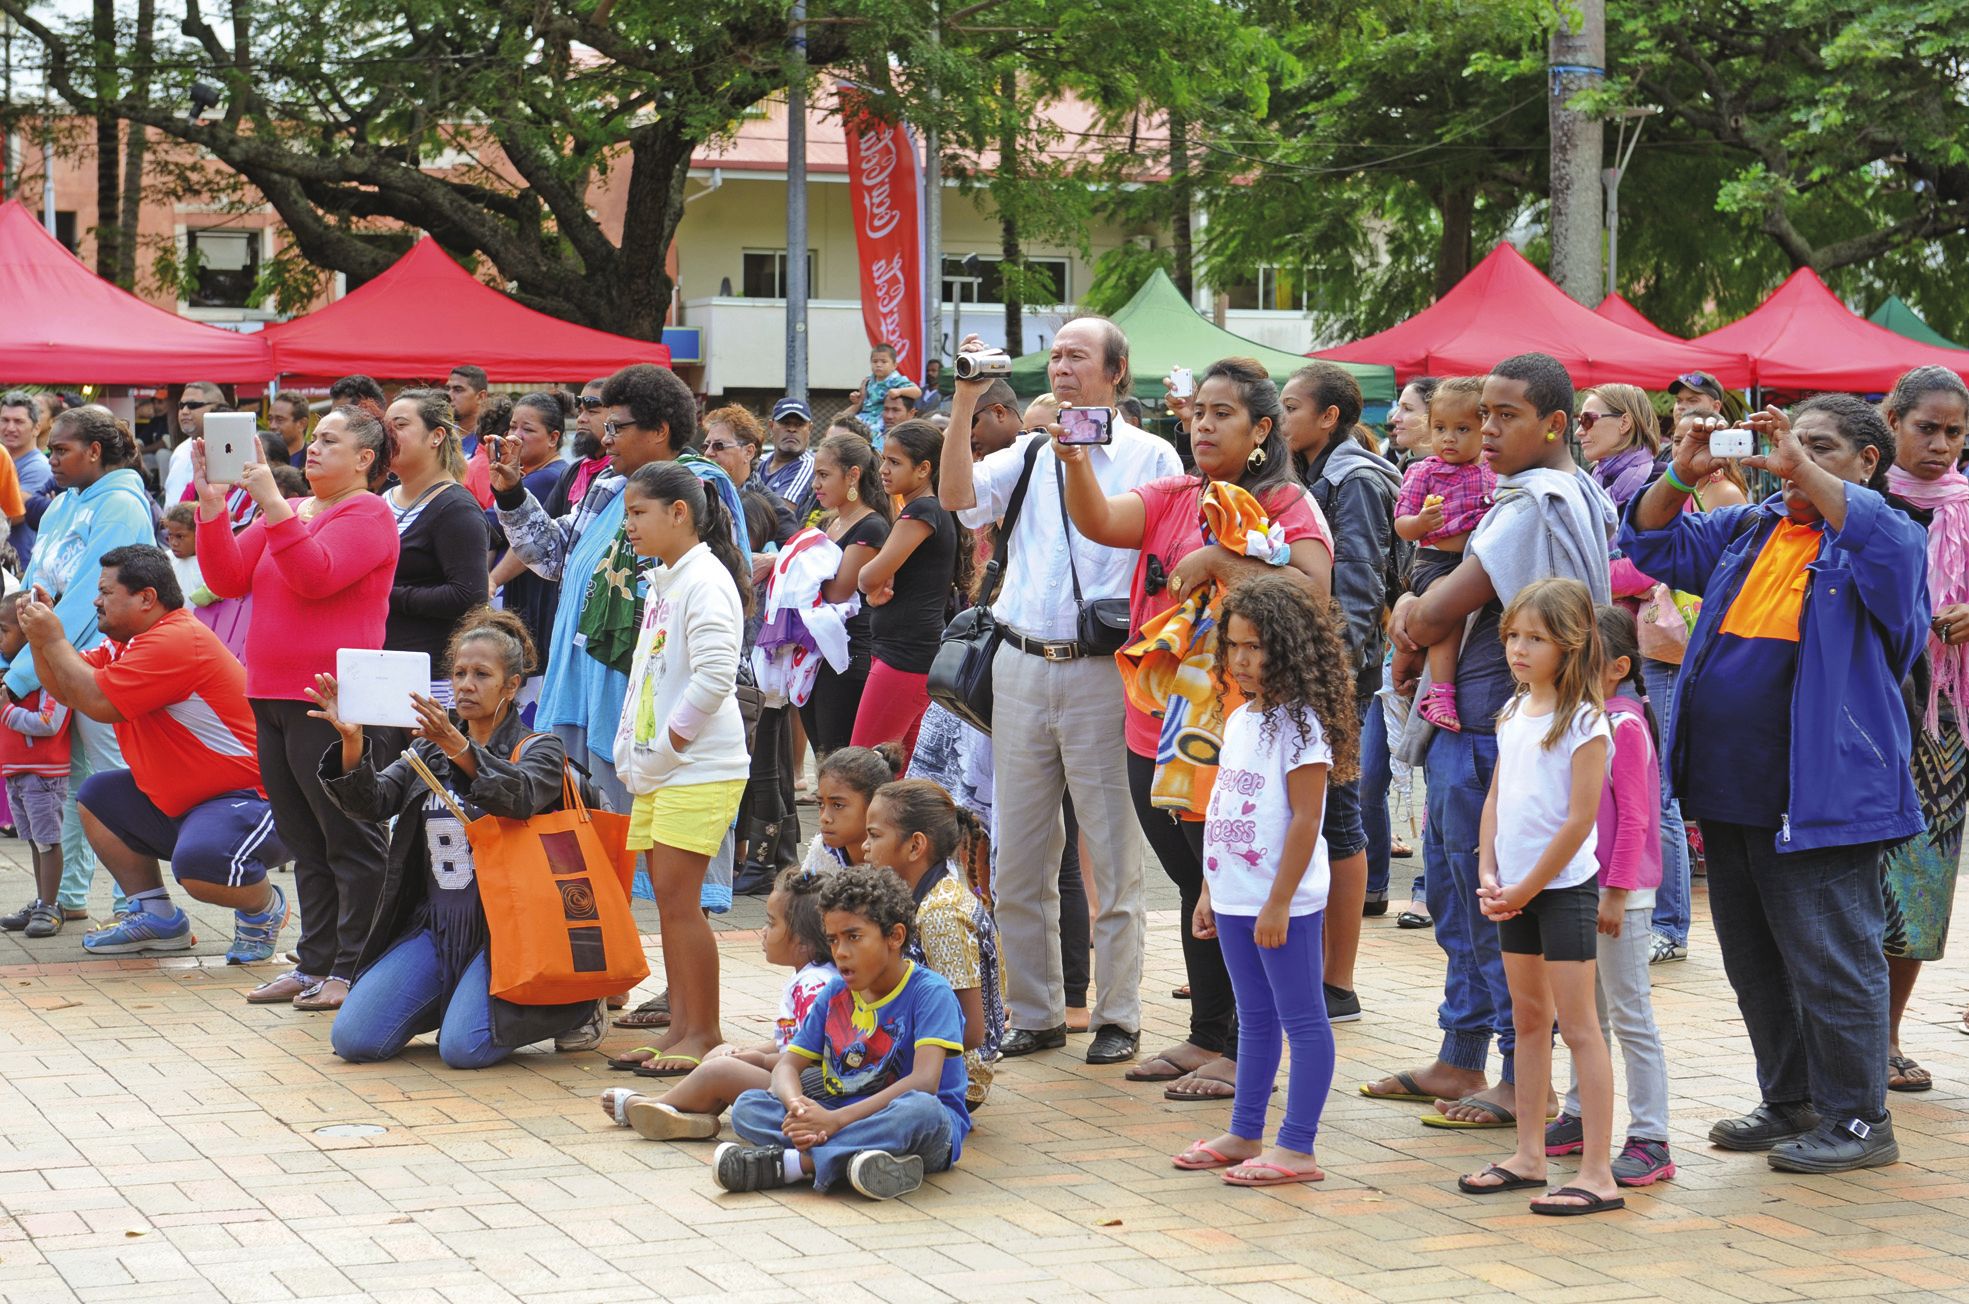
(1507, 306)
(1622, 313)
(1804, 338)
(65, 325)
(426, 315)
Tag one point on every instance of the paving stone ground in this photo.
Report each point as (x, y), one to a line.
(162, 1140)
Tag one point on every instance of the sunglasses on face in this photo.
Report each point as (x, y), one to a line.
(591, 403)
(721, 447)
(187, 405)
(1586, 419)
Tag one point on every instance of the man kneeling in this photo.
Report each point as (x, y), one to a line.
(192, 794)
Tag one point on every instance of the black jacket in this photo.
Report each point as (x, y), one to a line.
(1356, 489)
(501, 787)
(441, 573)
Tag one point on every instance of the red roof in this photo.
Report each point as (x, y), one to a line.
(426, 315)
(1506, 306)
(1622, 313)
(64, 325)
(1803, 337)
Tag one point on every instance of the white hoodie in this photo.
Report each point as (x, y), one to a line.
(684, 677)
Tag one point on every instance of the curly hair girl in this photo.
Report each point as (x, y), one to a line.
(1305, 663)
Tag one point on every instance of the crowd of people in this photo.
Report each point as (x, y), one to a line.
(1608, 662)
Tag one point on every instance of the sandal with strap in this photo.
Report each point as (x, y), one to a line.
(652, 1013)
(1589, 1203)
(1268, 1173)
(1189, 1162)
(1912, 1076)
(1506, 1181)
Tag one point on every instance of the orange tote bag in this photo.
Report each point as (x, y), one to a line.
(555, 889)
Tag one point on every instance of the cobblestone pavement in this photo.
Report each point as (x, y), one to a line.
(162, 1140)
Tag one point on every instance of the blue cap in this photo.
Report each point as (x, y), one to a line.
(793, 407)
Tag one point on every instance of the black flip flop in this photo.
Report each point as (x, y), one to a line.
(1594, 1203)
(1511, 1182)
(1409, 919)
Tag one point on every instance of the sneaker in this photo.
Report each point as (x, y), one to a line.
(1565, 1135)
(43, 921)
(253, 936)
(1640, 1163)
(738, 1167)
(140, 930)
(17, 921)
(589, 1034)
(1342, 1006)
(1665, 948)
(880, 1175)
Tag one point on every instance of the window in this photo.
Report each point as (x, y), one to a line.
(228, 263)
(65, 229)
(1277, 289)
(764, 274)
(1046, 280)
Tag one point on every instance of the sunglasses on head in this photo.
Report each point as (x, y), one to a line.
(1697, 380)
(591, 403)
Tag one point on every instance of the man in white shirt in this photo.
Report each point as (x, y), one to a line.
(200, 397)
(1058, 711)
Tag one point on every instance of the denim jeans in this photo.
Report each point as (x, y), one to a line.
(1476, 1003)
(914, 1123)
(402, 995)
(1377, 776)
(1671, 917)
(1801, 936)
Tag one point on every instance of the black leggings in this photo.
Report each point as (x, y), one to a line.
(338, 862)
(829, 714)
(1076, 932)
(1179, 846)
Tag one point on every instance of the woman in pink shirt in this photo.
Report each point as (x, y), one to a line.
(320, 571)
(1233, 422)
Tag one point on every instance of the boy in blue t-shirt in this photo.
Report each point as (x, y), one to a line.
(872, 1086)
(882, 380)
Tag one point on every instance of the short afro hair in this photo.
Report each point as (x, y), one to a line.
(1547, 382)
(656, 399)
(877, 895)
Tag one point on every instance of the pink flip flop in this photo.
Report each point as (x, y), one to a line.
(1277, 1175)
(1217, 1159)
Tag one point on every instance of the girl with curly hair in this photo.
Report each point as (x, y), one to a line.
(1265, 871)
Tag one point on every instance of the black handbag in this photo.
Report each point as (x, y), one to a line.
(960, 677)
(1101, 626)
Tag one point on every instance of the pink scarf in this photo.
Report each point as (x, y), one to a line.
(1948, 580)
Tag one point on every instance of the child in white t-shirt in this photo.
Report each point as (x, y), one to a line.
(691, 1109)
(1265, 870)
(1535, 873)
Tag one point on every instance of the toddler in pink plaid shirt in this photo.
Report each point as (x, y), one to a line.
(1442, 499)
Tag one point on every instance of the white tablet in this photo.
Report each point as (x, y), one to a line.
(376, 686)
(229, 440)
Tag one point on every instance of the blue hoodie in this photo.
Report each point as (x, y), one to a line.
(1864, 621)
(80, 526)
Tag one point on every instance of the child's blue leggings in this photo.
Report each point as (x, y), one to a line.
(1279, 988)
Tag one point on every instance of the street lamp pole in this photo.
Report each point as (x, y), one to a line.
(1610, 178)
(797, 288)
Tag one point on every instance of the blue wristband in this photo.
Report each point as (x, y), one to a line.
(1676, 480)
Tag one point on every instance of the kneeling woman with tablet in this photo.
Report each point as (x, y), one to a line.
(427, 964)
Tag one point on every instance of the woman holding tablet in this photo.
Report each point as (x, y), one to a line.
(320, 570)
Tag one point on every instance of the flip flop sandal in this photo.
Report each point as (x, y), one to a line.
(1507, 1181)
(1146, 1072)
(1274, 1175)
(653, 1013)
(1593, 1203)
(656, 1121)
(1194, 1093)
(615, 1103)
(1411, 1090)
(1905, 1068)
(1409, 919)
(1215, 1158)
(689, 1062)
(635, 1059)
(1499, 1116)
(1181, 993)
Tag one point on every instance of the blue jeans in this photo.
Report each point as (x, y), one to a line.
(1801, 936)
(402, 995)
(1476, 1003)
(1377, 776)
(914, 1123)
(1671, 917)
(1275, 989)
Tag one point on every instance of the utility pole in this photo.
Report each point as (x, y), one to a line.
(1577, 59)
(933, 218)
(796, 210)
(1623, 150)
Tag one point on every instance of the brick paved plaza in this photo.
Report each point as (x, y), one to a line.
(162, 1140)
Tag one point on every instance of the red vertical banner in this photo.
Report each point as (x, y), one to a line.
(885, 189)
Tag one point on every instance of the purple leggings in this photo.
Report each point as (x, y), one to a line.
(1279, 989)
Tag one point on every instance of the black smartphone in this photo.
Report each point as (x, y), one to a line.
(1087, 425)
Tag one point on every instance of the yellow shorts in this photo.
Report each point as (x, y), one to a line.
(694, 817)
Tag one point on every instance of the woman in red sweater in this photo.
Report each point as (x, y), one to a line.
(320, 571)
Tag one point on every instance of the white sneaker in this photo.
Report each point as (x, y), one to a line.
(1665, 948)
(588, 1035)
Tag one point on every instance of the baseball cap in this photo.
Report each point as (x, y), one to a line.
(793, 407)
(1700, 381)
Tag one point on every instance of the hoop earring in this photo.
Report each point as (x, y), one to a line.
(1257, 458)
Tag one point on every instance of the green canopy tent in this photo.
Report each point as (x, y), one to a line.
(1164, 331)
(1897, 317)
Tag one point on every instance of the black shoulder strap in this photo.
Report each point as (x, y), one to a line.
(995, 568)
